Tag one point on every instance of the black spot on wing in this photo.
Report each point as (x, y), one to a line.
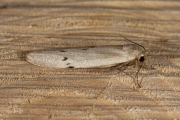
(64, 59)
(71, 67)
(62, 51)
(68, 63)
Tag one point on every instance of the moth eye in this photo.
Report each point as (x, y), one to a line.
(141, 59)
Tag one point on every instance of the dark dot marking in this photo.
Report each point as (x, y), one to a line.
(92, 46)
(71, 67)
(62, 51)
(65, 58)
(141, 59)
(68, 63)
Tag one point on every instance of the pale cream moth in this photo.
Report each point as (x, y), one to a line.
(90, 57)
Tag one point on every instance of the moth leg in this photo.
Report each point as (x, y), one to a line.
(137, 66)
(112, 69)
(148, 67)
(137, 84)
(123, 68)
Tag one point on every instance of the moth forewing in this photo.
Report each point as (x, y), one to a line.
(88, 57)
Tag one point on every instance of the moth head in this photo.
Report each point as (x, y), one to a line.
(142, 57)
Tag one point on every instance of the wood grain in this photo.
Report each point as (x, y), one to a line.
(32, 92)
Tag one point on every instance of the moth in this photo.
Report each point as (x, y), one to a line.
(91, 57)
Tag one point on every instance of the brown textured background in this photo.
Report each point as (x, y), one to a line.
(28, 91)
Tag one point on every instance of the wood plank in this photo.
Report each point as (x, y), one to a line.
(32, 92)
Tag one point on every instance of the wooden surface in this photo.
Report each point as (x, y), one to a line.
(32, 92)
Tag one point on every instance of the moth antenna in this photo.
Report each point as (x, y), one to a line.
(133, 42)
(105, 88)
